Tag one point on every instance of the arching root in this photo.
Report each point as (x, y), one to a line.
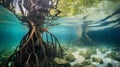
(35, 50)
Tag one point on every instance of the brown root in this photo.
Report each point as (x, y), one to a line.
(37, 49)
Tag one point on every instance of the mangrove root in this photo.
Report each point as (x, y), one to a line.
(37, 49)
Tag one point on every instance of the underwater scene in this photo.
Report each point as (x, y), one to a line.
(59, 33)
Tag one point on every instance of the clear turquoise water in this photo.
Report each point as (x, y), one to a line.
(68, 33)
(12, 31)
(103, 30)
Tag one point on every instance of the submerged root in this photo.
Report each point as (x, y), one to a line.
(35, 51)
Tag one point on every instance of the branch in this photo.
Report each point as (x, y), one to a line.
(116, 12)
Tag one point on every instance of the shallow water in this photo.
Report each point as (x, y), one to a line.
(104, 34)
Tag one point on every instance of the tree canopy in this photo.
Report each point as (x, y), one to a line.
(74, 7)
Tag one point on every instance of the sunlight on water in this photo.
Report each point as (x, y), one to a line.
(95, 27)
(11, 29)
